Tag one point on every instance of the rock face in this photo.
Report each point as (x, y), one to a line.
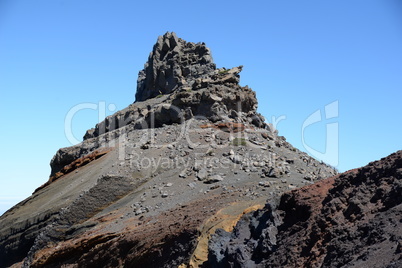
(150, 184)
(172, 64)
(350, 220)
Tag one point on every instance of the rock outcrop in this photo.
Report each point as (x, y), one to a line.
(172, 64)
(179, 82)
(350, 220)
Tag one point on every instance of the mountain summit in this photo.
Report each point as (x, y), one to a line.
(172, 64)
(182, 76)
(149, 185)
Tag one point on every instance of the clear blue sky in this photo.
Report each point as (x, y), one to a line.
(299, 56)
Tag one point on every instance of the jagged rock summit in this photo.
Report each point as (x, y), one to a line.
(179, 82)
(172, 64)
(149, 185)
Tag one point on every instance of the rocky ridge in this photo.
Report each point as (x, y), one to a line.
(351, 220)
(191, 155)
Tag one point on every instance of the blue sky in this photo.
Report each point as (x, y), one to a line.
(299, 56)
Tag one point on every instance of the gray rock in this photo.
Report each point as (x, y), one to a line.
(138, 212)
(273, 172)
(213, 179)
(290, 161)
(237, 159)
(171, 62)
(202, 174)
(264, 183)
(192, 185)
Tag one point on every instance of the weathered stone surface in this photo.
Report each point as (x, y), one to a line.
(350, 220)
(173, 63)
(179, 82)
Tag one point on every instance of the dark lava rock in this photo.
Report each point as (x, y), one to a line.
(350, 220)
(173, 63)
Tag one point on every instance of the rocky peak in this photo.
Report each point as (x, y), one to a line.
(173, 63)
(179, 82)
(148, 186)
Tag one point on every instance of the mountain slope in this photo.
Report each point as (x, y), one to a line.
(351, 220)
(150, 184)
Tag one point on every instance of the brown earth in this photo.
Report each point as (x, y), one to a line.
(80, 162)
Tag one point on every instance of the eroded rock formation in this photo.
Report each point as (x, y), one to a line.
(172, 64)
(189, 156)
(351, 220)
(179, 82)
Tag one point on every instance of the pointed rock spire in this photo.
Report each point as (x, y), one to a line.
(172, 63)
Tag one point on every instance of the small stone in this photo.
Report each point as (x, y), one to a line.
(291, 186)
(308, 178)
(169, 184)
(264, 135)
(253, 169)
(237, 159)
(213, 179)
(138, 212)
(165, 194)
(197, 167)
(202, 174)
(214, 187)
(264, 183)
(272, 172)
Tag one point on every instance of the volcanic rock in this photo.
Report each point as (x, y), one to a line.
(127, 195)
(351, 220)
(172, 64)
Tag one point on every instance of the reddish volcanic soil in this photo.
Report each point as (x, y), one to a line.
(350, 220)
